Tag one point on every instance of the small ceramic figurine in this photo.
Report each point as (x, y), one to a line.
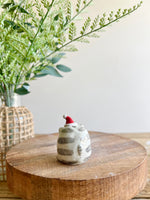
(73, 144)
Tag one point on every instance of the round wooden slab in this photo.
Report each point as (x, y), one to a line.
(116, 170)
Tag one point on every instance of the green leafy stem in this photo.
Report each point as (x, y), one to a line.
(33, 39)
(38, 30)
(92, 31)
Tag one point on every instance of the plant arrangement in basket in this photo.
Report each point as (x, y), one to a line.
(34, 36)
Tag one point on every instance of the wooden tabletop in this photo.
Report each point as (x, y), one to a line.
(143, 138)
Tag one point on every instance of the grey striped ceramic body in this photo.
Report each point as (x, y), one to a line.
(73, 144)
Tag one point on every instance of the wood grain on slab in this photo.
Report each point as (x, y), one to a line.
(115, 171)
(142, 138)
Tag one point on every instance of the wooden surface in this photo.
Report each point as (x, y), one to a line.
(142, 138)
(115, 171)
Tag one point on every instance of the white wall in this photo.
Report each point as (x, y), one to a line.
(109, 86)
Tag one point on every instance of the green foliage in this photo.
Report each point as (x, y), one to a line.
(72, 31)
(78, 5)
(24, 89)
(63, 68)
(95, 23)
(56, 58)
(34, 35)
(45, 3)
(48, 70)
(69, 11)
(102, 21)
(86, 25)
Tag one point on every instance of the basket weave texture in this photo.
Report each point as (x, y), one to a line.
(16, 125)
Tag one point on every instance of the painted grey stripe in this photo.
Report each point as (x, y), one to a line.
(81, 129)
(68, 162)
(79, 150)
(66, 130)
(88, 148)
(65, 152)
(65, 140)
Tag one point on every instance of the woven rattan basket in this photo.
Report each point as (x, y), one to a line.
(16, 125)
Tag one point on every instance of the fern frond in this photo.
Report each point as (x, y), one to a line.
(4, 59)
(111, 18)
(84, 2)
(124, 12)
(118, 14)
(84, 40)
(93, 35)
(39, 8)
(69, 11)
(102, 20)
(62, 39)
(86, 25)
(95, 23)
(69, 48)
(78, 6)
(15, 57)
(35, 20)
(18, 40)
(16, 49)
(61, 19)
(72, 31)
(45, 3)
(26, 29)
(12, 73)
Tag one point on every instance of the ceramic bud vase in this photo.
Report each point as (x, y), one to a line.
(16, 125)
(73, 145)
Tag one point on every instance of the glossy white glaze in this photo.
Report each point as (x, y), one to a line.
(74, 144)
